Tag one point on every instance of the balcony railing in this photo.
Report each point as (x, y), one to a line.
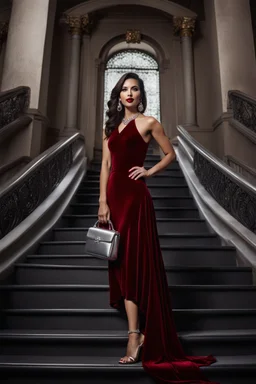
(231, 190)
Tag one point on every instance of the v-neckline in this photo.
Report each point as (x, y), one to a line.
(125, 127)
(119, 133)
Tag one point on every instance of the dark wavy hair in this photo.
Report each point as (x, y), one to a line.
(114, 116)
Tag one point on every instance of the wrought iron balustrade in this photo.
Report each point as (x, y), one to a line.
(244, 109)
(231, 195)
(13, 104)
(232, 191)
(41, 176)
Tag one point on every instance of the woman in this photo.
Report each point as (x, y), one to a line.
(137, 278)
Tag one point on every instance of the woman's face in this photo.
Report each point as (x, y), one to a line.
(130, 93)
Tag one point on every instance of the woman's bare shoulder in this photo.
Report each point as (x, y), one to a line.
(150, 121)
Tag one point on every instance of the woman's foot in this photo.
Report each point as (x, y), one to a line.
(134, 346)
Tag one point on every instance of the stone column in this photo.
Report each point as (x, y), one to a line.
(232, 44)
(25, 63)
(232, 63)
(75, 30)
(77, 26)
(185, 26)
(25, 46)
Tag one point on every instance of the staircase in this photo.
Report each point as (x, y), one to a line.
(56, 323)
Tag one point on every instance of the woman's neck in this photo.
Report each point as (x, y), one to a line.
(129, 113)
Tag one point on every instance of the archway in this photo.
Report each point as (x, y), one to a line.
(91, 115)
(162, 5)
(134, 60)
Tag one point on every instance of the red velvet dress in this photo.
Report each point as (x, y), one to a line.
(139, 273)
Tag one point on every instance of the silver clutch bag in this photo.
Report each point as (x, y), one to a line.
(102, 243)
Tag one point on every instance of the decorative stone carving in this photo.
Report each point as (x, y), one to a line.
(133, 36)
(88, 24)
(184, 26)
(80, 24)
(235, 199)
(75, 25)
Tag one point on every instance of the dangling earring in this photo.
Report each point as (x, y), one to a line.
(119, 106)
(140, 107)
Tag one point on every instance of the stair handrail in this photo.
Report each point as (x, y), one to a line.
(57, 160)
(208, 167)
(242, 95)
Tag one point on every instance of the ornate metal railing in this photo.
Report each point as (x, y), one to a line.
(242, 168)
(231, 190)
(244, 109)
(234, 198)
(38, 180)
(13, 104)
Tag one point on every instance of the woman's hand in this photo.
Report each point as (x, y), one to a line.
(103, 213)
(137, 172)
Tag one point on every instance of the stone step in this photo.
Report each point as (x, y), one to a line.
(79, 234)
(97, 296)
(164, 225)
(113, 343)
(172, 256)
(113, 320)
(106, 370)
(160, 212)
(78, 248)
(93, 174)
(158, 201)
(96, 165)
(69, 274)
(160, 190)
(154, 180)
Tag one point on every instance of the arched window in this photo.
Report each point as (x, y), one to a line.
(142, 64)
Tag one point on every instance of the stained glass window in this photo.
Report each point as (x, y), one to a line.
(142, 64)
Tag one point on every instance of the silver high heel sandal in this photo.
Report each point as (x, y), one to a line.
(131, 359)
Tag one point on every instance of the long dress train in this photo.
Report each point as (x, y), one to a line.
(139, 273)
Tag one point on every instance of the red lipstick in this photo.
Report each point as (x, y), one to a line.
(130, 100)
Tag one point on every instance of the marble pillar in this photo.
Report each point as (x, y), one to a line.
(26, 62)
(25, 45)
(78, 25)
(235, 53)
(184, 26)
(75, 30)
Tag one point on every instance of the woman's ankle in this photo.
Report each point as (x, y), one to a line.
(134, 336)
(134, 330)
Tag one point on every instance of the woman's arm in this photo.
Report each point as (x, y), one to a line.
(104, 213)
(163, 141)
(158, 133)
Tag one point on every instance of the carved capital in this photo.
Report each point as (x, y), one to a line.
(3, 31)
(133, 36)
(88, 23)
(184, 26)
(75, 25)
